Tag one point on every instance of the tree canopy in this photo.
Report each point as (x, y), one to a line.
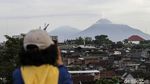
(102, 40)
(9, 52)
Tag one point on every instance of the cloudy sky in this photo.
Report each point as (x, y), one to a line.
(20, 16)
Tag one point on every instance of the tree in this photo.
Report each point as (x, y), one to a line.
(145, 44)
(9, 56)
(102, 40)
(119, 44)
(88, 40)
(79, 41)
(125, 41)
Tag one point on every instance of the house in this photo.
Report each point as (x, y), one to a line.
(145, 53)
(91, 59)
(135, 39)
(55, 38)
(131, 65)
(146, 81)
(132, 78)
(143, 67)
(117, 52)
(85, 77)
(128, 79)
(107, 74)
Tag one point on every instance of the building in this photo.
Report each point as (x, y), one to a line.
(135, 39)
(85, 77)
(55, 37)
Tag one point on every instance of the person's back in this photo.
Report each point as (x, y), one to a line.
(44, 74)
(41, 61)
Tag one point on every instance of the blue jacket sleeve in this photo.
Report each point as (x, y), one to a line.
(17, 78)
(64, 76)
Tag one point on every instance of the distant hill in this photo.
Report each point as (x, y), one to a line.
(116, 32)
(64, 32)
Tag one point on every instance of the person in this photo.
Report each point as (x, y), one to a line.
(40, 61)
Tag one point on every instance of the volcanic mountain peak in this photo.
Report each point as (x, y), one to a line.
(103, 21)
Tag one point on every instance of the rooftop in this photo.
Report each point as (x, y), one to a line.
(135, 38)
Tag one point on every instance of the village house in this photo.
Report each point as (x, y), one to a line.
(135, 39)
(85, 77)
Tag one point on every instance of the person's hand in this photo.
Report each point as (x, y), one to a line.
(59, 61)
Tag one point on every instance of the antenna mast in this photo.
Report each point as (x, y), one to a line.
(45, 26)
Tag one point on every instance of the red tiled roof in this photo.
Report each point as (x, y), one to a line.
(107, 74)
(135, 38)
(82, 78)
(102, 63)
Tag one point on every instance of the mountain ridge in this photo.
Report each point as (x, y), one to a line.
(115, 32)
(64, 32)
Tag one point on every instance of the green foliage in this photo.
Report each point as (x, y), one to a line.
(145, 44)
(125, 41)
(99, 40)
(119, 44)
(108, 81)
(102, 40)
(88, 40)
(9, 56)
(79, 41)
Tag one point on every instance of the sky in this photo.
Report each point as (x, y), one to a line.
(20, 16)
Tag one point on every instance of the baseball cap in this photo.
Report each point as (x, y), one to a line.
(38, 37)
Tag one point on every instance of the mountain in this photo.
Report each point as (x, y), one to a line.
(64, 32)
(115, 32)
